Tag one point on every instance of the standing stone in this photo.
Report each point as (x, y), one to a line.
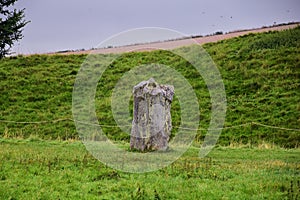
(151, 125)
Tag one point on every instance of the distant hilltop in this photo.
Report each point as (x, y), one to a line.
(179, 42)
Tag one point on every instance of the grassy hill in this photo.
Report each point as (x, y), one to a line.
(260, 73)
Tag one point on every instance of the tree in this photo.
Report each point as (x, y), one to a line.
(11, 26)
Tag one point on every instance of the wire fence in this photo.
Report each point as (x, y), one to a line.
(179, 127)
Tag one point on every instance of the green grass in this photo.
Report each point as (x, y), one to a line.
(260, 73)
(33, 169)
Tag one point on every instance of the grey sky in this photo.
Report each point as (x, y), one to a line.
(75, 24)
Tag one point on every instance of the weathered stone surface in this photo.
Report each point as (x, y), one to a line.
(151, 125)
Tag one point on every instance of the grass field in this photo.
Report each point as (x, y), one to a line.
(41, 157)
(34, 169)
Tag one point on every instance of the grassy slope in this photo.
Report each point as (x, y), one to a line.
(260, 73)
(261, 76)
(32, 169)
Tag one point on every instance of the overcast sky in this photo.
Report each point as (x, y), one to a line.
(75, 24)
